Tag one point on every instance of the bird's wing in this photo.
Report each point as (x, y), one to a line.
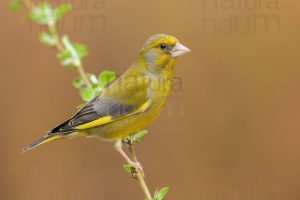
(98, 112)
(107, 108)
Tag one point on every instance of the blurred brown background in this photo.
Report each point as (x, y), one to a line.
(230, 133)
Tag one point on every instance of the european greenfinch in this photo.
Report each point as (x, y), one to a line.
(130, 103)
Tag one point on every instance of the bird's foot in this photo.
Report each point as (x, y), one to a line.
(137, 166)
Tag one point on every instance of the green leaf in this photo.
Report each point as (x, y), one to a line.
(159, 195)
(73, 53)
(137, 137)
(61, 10)
(106, 77)
(162, 193)
(42, 14)
(65, 58)
(45, 14)
(15, 5)
(81, 50)
(128, 168)
(87, 94)
(77, 83)
(70, 51)
(92, 78)
(48, 39)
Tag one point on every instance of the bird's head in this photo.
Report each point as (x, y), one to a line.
(159, 50)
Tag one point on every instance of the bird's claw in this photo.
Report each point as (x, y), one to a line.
(138, 167)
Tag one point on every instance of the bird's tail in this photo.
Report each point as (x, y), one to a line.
(43, 140)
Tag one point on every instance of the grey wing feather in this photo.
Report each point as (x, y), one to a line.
(95, 109)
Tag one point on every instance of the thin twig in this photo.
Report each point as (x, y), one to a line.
(83, 75)
(52, 27)
(139, 177)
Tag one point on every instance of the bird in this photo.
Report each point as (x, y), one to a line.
(130, 103)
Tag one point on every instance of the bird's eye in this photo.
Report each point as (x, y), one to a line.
(163, 46)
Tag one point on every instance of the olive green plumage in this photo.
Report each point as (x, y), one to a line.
(130, 103)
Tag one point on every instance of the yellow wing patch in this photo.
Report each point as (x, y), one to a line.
(108, 119)
(142, 108)
(97, 122)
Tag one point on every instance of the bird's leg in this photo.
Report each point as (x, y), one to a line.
(136, 165)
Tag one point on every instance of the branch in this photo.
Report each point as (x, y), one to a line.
(53, 29)
(58, 45)
(139, 177)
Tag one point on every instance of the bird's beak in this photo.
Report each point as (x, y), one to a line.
(179, 50)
